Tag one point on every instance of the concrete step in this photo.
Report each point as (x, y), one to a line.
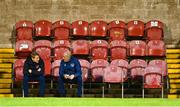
(7, 60)
(173, 96)
(7, 50)
(175, 86)
(5, 66)
(5, 81)
(7, 56)
(173, 71)
(3, 76)
(173, 61)
(174, 56)
(173, 66)
(6, 95)
(176, 81)
(6, 70)
(176, 76)
(168, 51)
(5, 86)
(174, 91)
(3, 91)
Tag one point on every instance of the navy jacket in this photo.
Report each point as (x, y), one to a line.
(29, 64)
(71, 67)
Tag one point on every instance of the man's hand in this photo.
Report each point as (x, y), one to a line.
(39, 69)
(30, 71)
(71, 77)
(66, 76)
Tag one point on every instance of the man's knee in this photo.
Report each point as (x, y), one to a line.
(41, 79)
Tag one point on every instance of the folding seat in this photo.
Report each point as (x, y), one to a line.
(99, 49)
(85, 66)
(43, 28)
(135, 28)
(55, 68)
(98, 28)
(24, 30)
(154, 30)
(60, 47)
(137, 67)
(137, 48)
(153, 78)
(118, 49)
(117, 30)
(23, 48)
(18, 69)
(80, 28)
(61, 30)
(43, 47)
(120, 63)
(156, 48)
(80, 47)
(160, 64)
(97, 69)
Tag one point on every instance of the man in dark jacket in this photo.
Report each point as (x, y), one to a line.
(70, 72)
(34, 71)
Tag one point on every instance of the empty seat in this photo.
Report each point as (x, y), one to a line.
(98, 28)
(23, 48)
(24, 30)
(18, 69)
(154, 30)
(135, 28)
(55, 68)
(43, 48)
(117, 30)
(120, 63)
(137, 67)
(160, 64)
(80, 28)
(61, 30)
(156, 48)
(60, 47)
(43, 28)
(85, 66)
(118, 49)
(80, 47)
(152, 77)
(99, 49)
(137, 48)
(97, 69)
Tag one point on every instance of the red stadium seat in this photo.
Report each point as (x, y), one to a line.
(156, 48)
(18, 69)
(23, 48)
(43, 28)
(114, 74)
(97, 69)
(118, 49)
(80, 28)
(80, 47)
(137, 48)
(24, 30)
(60, 47)
(154, 30)
(120, 63)
(43, 47)
(85, 66)
(98, 28)
(99, 49)
(152, 77)
(160, 64)
(55, 68)
(61, 30)
(135, 28)
(137, 67)
(117, 30)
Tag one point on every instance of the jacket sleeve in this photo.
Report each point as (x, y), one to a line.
(61, 69)
(78, 69)
(26, 68)
(42, 67)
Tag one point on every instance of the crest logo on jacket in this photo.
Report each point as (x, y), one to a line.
(72, 64)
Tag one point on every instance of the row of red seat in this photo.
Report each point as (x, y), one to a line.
(98, 49)
(115, 72)
(116, 30)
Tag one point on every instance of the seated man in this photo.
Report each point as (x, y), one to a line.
(70, 72)
(34, 71)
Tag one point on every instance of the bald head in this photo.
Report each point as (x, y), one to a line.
(67, 56)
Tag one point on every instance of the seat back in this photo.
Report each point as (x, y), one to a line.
(160, 64)
(154, 30)
(117, 30)
(80, 28)
(18, 69)
(61, 30)
(135, 28)
(55, 68)
(85, 66)
(24, 30)
(137, 48)
(43, 28)
(156, 48)
(80, 47)
(98, 28)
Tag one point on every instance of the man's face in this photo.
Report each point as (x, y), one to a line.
(67, 57)
(36, 59)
